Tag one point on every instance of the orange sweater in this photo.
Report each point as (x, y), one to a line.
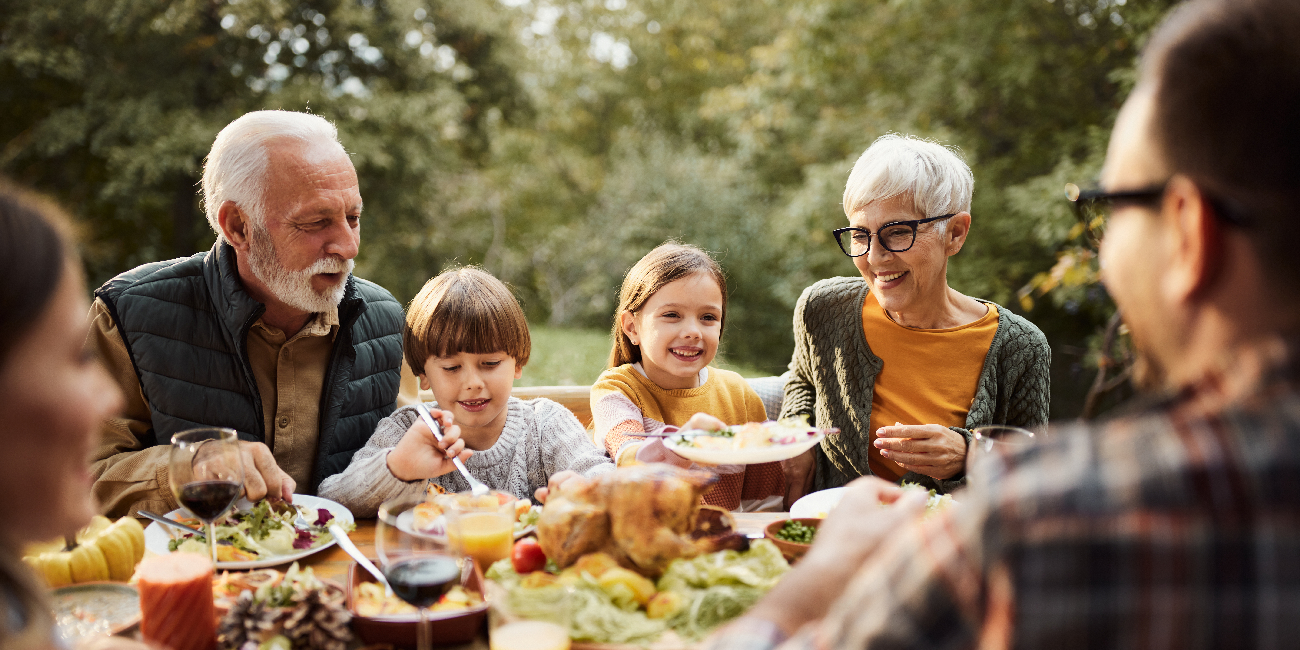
(950, 360)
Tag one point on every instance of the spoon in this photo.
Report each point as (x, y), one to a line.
(345, 543)
(477, 488)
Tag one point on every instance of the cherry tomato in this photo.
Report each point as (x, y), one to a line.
(527, 556)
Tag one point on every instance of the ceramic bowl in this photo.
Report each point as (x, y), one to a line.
(449, 628)
(791, 550)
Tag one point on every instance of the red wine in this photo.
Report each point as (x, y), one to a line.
(209, 499)
(421, 581)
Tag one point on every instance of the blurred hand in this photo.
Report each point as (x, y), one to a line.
(554, 483)
(262, 476)
(844, 543)
(929, 449)
(418, 455)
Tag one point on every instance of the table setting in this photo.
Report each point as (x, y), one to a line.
(593, 569)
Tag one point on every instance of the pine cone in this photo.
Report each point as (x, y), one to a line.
(247, 621)
(318, 624)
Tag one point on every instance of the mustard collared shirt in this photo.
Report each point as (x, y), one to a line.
(290, 374)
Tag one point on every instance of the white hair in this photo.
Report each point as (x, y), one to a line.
(936, 179)
(235, 169)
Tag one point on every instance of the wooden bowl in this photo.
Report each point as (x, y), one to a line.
(791, 550)
(448, 628)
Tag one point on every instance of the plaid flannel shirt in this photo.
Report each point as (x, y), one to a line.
(1177, 526)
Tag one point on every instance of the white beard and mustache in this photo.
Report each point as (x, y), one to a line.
(294, 288)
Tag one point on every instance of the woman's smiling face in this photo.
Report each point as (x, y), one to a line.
(677, 330)
(915, 279)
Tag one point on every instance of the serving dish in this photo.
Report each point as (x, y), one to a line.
(790, 550)
(156, 537)
(448, 627)
(93, 609)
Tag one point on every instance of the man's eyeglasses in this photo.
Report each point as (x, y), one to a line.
(1093, 207)
(896, 236)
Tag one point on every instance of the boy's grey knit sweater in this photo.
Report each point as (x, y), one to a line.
(540, 438)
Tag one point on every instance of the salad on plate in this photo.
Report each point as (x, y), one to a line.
(257, 535)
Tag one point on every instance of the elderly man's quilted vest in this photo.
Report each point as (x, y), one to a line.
(186, 323)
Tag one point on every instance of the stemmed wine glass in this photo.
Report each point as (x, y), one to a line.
(419, 566)
(206, 475)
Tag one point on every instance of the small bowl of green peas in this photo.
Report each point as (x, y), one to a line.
(793, 536)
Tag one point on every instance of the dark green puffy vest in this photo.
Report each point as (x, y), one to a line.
(186, 323)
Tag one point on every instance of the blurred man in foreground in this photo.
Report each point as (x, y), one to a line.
(268, 333)
(1177, 525)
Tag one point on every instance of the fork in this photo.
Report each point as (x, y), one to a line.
(477, 488)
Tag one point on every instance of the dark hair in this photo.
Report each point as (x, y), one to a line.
(464, 310)
(33, 254)
(1226, 79)
(667, 263)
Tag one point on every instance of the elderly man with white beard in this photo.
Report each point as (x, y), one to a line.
(267, 333)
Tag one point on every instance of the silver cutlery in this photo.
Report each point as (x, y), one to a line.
(476, 486)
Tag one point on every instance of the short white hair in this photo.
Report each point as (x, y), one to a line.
(235, 169)
(938, 181)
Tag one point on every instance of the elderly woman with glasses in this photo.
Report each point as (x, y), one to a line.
(904, 365)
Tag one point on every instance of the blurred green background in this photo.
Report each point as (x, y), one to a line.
(554, 143)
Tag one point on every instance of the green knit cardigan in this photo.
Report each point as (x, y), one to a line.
(833, 373)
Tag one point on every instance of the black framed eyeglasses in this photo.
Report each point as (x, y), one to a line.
(895, 236)
(1093, 207)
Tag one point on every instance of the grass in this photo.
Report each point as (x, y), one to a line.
(575, 357)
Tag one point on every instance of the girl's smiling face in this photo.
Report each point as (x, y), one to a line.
(677, 330)
(476, 389)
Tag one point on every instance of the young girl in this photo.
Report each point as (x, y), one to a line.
(666, 331)
(467, 339)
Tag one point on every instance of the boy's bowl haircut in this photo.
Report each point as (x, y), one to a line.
(464, 310)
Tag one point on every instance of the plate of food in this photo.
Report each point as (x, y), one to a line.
(747, 444)
(633, 576)
(93, 609)
(257, 535)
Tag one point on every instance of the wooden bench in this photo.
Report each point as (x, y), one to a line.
(574, 398)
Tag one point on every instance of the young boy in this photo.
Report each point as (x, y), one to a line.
(467, 340)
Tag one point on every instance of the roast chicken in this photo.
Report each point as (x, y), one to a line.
(644, 516)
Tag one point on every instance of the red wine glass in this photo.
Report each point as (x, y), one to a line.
(206, 475)
(418, 562)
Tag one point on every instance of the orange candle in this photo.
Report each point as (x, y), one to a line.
(176, 601)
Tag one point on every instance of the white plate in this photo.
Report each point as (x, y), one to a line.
(817, 504)
(156, 537)
(753, 456)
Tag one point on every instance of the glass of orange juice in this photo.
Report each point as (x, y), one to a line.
(481, 527)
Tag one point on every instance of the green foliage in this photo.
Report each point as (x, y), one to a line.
(556, 143)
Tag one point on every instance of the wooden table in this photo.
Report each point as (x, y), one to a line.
(334, 564)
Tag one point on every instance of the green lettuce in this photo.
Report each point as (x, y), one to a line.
(721, 586)
(715, 588)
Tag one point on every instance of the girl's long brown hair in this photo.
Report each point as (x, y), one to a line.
(667, 263)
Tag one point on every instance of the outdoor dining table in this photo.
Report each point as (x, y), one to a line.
(334, 564)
